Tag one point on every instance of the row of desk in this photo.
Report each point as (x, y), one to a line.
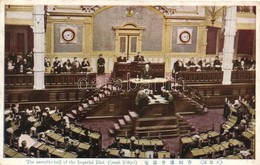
(115, 153)
(142, 142)
(202, 136)
(199, 152)
(11, 153)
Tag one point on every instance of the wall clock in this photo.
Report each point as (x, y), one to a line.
(185, 36)
(68, 35)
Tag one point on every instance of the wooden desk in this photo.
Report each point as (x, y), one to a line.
(123, 140)
(147, 142)
(94, 135)
(218, 147)
(19, 155)
(164, 154)
(213, 134)
(249, 135)
(208, 150)
(55, 117)
(235, 156)
(44, 146)
(53, 136)
(70, 155)
(10, 152)
(84, 146)
(235, 142)
(113, 152)
(58, 153)
(135, 68)
(197, 152)
(186, 140)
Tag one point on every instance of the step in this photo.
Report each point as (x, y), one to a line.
(121, 122)
(74, 111)
(159, 131)
(122, 132)
(162, 136)
(127, 118)
(157, 118)
(111, 131)
(156, 127)
(133, 114)
(116, 126)
(70, 115)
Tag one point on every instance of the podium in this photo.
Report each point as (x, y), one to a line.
(122, 69)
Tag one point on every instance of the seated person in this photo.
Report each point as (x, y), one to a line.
(121, 58)
(251, 63)
(199, 64)
(191, 64)
(237, 63)
(67, 66)
(48, 68)
(75, 66)
(9, 65)
(85, 65)
(139, 57)
(178, 66)
(21, 69)
(217, 64)
(27, 66)
(147, 72)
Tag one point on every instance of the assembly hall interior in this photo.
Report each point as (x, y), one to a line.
(129, 81)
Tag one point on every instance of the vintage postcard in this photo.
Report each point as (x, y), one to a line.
(129, 82)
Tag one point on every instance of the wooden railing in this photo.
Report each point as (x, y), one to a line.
(215, 77)
(243, 76)
(210, 77)
(51, 80)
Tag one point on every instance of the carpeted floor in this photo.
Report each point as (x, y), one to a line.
(201, 122)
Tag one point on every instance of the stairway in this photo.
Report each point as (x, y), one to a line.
(124, 126)
(94, 101)
(161, 127)
(187, 104)
(150, 127)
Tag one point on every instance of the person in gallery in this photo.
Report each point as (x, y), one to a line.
(85, 65)
(178, 66)
(121, 58)
(139, 57)
(57, 65)
(147, 72)
(101, 64)
(217, 64)
(67, 66)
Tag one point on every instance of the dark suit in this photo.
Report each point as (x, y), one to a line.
(139, 58)
(121, 59)
(101, 65)
(147, 74)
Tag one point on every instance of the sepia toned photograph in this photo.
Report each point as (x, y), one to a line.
(129, 81)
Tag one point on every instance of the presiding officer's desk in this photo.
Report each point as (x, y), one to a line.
(124, 69)
(154, 84)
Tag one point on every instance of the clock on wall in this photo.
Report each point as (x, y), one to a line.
(68, 35)
(185, 36)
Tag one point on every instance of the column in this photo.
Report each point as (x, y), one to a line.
(39, 47)
(229, 40)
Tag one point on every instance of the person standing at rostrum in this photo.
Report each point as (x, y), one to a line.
(101, 64)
